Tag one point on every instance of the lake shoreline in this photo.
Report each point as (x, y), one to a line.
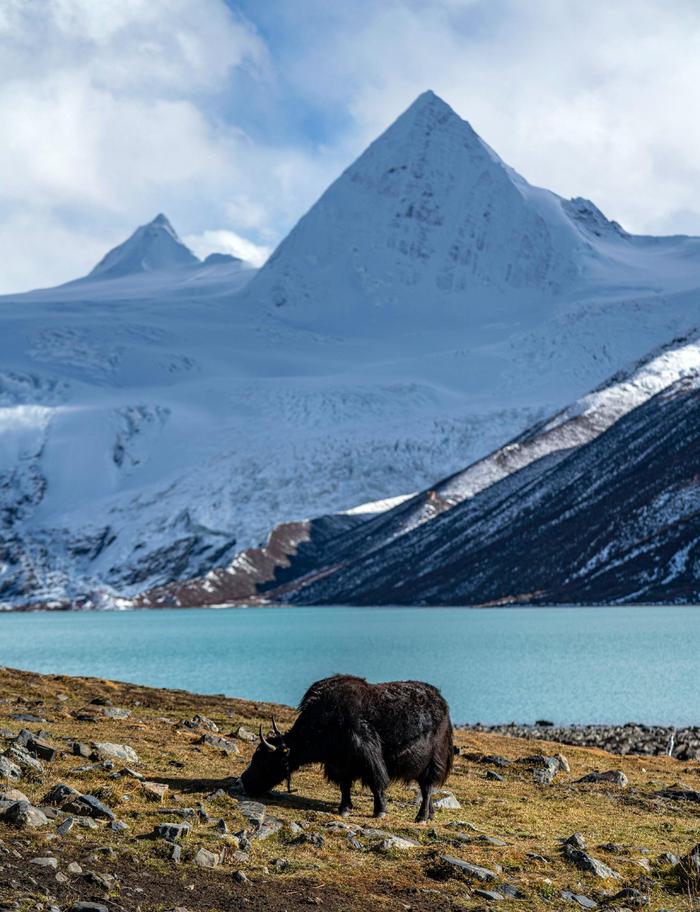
(632, 738)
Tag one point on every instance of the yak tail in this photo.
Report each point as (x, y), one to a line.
(368, 751)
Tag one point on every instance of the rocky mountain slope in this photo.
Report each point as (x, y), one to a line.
(614, 520)
(162, 415)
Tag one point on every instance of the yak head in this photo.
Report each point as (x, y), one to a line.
(269, 765)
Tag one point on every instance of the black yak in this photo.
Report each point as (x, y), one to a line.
(371, 732)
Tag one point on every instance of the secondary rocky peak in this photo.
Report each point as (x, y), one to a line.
(153, 247)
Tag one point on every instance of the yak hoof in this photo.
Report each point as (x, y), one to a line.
(345, 812)
(379, 815)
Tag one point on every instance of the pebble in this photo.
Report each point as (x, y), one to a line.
(587, 862)
(155, 791)
(253, 811)
(240, 877)
(397, 843)
(74, 868)
(89, 806)
(491, 895)
(579, 898)
(64, 828)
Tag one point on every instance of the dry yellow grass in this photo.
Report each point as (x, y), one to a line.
(285, 873)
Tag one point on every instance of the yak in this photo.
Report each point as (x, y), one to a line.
(374, 733)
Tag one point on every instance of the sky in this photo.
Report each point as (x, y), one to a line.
(233, 116)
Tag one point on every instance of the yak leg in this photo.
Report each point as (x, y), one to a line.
(379, 802)
(345, 798)
(425, 811)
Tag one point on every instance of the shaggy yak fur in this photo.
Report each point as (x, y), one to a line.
(371, 732)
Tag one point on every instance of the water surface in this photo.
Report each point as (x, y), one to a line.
(493, 665)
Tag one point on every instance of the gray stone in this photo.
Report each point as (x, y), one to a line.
(446, 801)
(631, 896)
(118, 751)
(74, 868)
(89, 806)
(114, 712)
(253, 811)
(21, 756)
(198, 721)
(587, 862)
(576, 840)
(219, 743)
(88, 906)
(579, 898)
(12, 795)
(60, 793)
(491, 895)
(397, 843)
(267, 828)
(9, 770)
(667, 858)
(245, 734)
(475, 872)
(118, 826)
(206, 859)
(495, 777)
(615, 777)
(171, 831)
(240, 877)
(25, 816)
(45, 861)
(688, 869)
(675, 794)
(175, 852)
(563, 763)
(65, 827)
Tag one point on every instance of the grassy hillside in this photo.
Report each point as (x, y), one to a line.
(305, 856)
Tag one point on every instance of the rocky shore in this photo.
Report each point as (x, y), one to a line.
(631, 738)
(120, 798)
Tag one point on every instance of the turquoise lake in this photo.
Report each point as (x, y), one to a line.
(493, 665)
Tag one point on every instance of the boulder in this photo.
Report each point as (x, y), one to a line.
(118, 751)
(688, 869)
(588, 863)
(89, 806)
(24, 815)
(206, 859)
(615, 777)
(9, 770)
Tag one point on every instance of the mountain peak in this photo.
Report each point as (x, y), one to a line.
(153, 247)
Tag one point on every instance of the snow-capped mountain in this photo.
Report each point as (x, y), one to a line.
(615, 519)
(151, 248)
(162, 414)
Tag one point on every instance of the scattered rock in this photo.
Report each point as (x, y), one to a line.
(496, 777)
(9, 770)
(446, 801)
(267, 828)
(688, 869)
(64, 828)
(60, 793)
(397, 843)
(171, 831)
(46, 861)
(576, 840)
(114, 712)
(198, 721)
(253, 811)
(240, 877)
(616, 777)
(471, 871)
(89, 806)
(25, 816)
(491, 895)
(563, 763)
(677, 794)
(118, 751)
(587, 862)
(631, 896)
(118, 826)
(36, 746)
(667, 858)
(218, 742)
(74, 868)
(155, 791)
(579, 898)
(206, 859)
(27, 717)
(89, 906)
(245, 734)
(22, 758)
(12, 794)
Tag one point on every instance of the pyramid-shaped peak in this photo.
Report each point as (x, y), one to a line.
(153, 247)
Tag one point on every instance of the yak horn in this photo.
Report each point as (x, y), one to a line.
(275, 729)
(265, 743)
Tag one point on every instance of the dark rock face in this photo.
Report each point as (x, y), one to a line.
(614, 520)
(292, 550)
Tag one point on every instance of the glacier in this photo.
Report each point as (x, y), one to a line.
(162, 414)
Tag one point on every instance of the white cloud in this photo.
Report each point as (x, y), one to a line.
(224, 241)
(112, 111)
